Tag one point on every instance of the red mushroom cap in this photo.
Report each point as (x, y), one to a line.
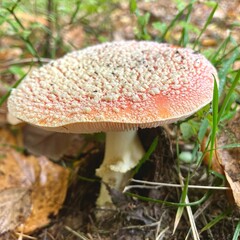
(115, 86)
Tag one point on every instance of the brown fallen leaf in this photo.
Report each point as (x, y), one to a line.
(229, 158)
(15, 207)
(46, 183)
(48, 195)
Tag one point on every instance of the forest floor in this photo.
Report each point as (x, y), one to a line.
(132, 218)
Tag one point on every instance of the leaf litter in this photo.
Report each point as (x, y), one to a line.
(34, 186)
(15, 207)
(228, 155)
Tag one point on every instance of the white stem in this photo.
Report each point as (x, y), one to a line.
(123, 150)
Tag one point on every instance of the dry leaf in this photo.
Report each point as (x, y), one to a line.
(47, 183)
(15, 206)
(229, 158)
(48, 194)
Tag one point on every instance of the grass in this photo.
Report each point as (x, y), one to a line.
(206, 123)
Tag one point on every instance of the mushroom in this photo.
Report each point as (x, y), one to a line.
(115, 88)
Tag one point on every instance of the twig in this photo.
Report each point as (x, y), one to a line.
(78, 234)
(159, 184)
(21, 236)
(25, 60)
(159, 233)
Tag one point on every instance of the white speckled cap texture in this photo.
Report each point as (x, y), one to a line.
(115, 86)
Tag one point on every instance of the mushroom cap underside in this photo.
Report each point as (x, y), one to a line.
(115, 86)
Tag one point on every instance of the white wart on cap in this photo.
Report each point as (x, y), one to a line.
(115, 86)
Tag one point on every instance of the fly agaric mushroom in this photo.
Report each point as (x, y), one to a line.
(115, 88)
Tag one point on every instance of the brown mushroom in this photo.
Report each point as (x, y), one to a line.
(115, 88)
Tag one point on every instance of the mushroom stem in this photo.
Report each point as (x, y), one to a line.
(123, 150)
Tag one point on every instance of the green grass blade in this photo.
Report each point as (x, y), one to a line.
(215, 221)
(173, 204)
(237, 232)
(217, 175)
(228, 96)
(214, 121)
(227, 53)
(132, 5)
(174, 21)
(146, 155)
(225, 69)
(229, 146)
(222, 48)
(185, 38)
(209, 19)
